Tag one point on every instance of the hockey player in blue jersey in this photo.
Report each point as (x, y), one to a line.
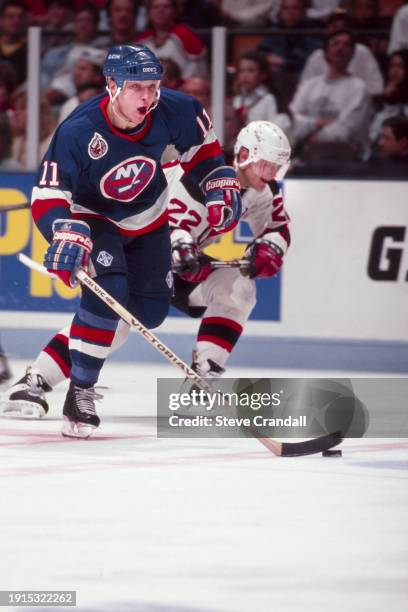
(222, 298)
(101, 203)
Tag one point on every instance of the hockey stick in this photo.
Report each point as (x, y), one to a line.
(215, 264)
(281, 449)
(15, 207)
(243, 264)
(124, 314)
(30, 263)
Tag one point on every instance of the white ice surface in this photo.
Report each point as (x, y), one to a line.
(135, 523)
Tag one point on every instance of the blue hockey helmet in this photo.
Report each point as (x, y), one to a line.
(128, 63)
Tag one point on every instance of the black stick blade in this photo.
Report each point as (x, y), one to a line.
(311, 447)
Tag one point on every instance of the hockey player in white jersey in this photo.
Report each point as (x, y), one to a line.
(222, 298)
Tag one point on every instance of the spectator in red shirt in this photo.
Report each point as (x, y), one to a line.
(168, 38)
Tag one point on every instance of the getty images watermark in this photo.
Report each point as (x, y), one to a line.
(202, 409)
(283, 407)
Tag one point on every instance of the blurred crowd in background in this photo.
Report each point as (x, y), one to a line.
(332, 73)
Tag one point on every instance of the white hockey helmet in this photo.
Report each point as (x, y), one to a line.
(264, 140)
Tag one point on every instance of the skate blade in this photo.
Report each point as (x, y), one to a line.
(76, 430)
(21, 410)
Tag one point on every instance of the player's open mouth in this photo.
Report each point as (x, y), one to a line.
(142, 110)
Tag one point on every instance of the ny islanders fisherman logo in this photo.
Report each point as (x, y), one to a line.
(97, 147)
(128, 179)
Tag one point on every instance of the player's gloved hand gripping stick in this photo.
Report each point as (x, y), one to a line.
(264, 259)
(70, 249)
(187, 260)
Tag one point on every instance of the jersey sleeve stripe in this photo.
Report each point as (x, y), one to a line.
(188, 154)
(39, 208)
(206, 152)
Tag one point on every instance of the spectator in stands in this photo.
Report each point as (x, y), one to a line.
(38, 9)
(394, 98)
(288, 52)
(253, 100)
(242, 13)
(365, 18)
(19, 125)
(169, 38)
(321, 9)
(7, 86)
(363, 63)
(393, 142)
(200, 89)
(7, 163)
(58, 27)
(85, 32)
(331, 111)
(399, 30)
(201, 13)
(171, 74)
(390, 157)
(84, 92)
(83, 65)
(122, 17)
(13, 38)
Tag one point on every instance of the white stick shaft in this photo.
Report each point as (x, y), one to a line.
(12, 207)
(30, 263)
(235, 263)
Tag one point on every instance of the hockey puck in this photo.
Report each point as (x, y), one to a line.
(332, 453)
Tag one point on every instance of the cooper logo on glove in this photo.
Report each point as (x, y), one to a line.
(222, 183)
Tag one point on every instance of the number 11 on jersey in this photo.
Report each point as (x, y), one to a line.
(49, 168)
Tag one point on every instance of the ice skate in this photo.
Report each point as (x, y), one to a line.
(207, 369)
(26, 398)
(80, 418)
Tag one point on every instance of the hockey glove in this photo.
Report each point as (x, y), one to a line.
(265, 259)
(69, 250)
(222, 198)
(186, 258)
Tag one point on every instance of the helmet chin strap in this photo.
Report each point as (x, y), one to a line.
(113, 97)
(155, 103)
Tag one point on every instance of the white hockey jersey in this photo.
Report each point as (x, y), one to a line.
(264, 211)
